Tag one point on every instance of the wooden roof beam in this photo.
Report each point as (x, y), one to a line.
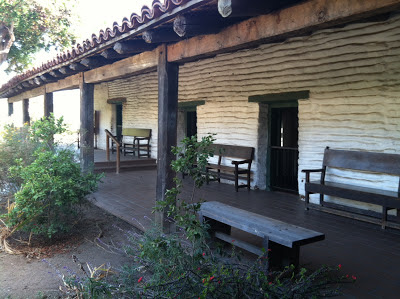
(160, 36)
(299, 19)
(56, 74)
(65, 70)
(77, 67)
(187, 26)
(94, 62)
(250, 8)
(132, 47)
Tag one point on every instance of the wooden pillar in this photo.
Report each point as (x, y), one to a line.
(87, 125)
(48, 104)
(25, 112)
(167, 128)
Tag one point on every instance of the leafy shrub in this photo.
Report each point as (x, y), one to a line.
(182, 265)
(15, 144)
(52, 185)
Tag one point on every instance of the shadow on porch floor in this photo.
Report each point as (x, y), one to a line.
(363, 249)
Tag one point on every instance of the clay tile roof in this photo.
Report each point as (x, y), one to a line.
(157, 9)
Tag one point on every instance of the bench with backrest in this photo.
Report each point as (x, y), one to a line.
(136, 141)
(283, 240)
(240, 159)
(370, 162)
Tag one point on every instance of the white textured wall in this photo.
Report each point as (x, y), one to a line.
(141, 107)
(100, 104)
(353, 76)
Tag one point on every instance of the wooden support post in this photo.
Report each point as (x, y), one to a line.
(87, 125)
(48, 104)
(25, 112)
(167, 128)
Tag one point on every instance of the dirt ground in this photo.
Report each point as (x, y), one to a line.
(36, 273)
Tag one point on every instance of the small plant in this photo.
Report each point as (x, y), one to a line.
(51, 187)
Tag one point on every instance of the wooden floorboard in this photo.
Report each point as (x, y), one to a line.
(363, 249)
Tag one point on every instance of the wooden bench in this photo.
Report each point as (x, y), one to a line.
(283, 239)
(356, 161)
(240, 155)
(139, 141)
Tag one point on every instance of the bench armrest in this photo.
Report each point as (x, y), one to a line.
(312, 170)
(242, 162)
(308, 171)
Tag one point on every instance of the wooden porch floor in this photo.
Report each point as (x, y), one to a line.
(363, 249)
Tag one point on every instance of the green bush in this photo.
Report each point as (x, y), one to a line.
(52, 186)
(15, 144)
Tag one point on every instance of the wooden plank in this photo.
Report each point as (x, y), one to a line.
(280, 97)
(167, 128)
(70, 82)
(28, 94)
(234, 151)
(304, 17)
(358, 193)
(144, 62)
(244, 245)
(136, 132)
(364, 161)
(87, 126)
(279, 232)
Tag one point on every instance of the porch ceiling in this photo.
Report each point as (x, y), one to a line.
(179, 23)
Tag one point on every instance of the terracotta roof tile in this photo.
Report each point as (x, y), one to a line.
(157, 9)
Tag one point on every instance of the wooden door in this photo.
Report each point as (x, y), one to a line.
(283, 152)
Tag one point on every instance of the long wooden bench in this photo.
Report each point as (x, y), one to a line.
(139, 141)
(380, 163)
(240, 155)
(282, 239)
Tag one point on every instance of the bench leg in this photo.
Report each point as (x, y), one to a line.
(384, 217)
(265, 244)
(321, 199)
(236, 182)
(307, 200)
(217, 226)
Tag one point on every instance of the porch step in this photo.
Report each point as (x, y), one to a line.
(139, 164)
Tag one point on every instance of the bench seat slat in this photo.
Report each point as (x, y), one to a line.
(364, 194)
(279, 232)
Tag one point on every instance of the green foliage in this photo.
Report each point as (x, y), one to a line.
(36, 25)
(15, 145)
(182, 265)
(52, 185)
(191, 160)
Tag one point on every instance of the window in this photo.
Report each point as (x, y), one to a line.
(10, 109)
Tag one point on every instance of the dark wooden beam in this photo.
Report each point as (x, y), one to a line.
(250, 8)
(304, 17)
(65, 70)
(26, 84)
(56, 74)
(187, 26)
(77, 67)
(47, 78)
(25, 112)
(132, 47)
(167, 130)
(160, 36)
(87, 125)
(111, 54)
(94, 62)
(48, 104)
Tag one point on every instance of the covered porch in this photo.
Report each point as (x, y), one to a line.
(363, 249)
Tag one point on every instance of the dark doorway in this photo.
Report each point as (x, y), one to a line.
(118, 120)
(283, 150)
(191, 123)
